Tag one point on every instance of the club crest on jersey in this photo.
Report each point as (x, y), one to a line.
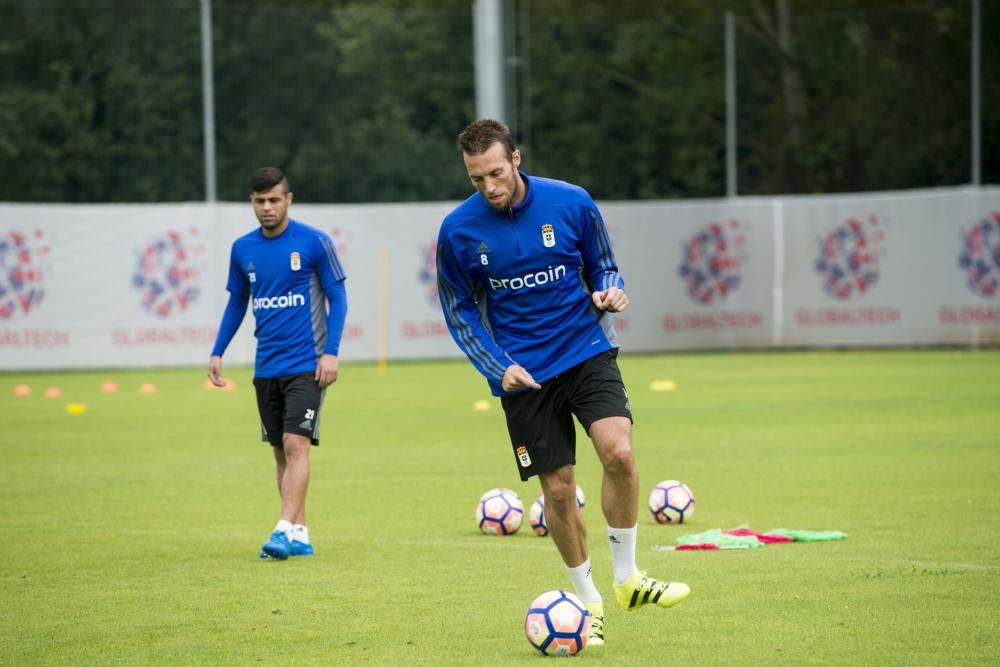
(522, 456)
(548, 235)
(296, 260)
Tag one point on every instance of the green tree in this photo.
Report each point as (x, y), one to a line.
(626, 99)
(101, 100)
(357, 103)
(97, 104)
(861, 98)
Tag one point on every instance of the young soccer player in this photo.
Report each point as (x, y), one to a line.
(290, 274)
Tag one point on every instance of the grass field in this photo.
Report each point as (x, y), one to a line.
(132, 531)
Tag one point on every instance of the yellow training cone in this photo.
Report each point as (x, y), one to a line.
(662, 385)
(481, 406)
(76, 408)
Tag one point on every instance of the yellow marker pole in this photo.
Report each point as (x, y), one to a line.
(383, 309)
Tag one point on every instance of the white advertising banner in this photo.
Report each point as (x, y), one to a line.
(114, 286)
(699, 275)
(106, 286)
(908, 269)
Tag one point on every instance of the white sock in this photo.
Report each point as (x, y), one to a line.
(583, 582)
(300, 533)
(622, 541)
(284, 526)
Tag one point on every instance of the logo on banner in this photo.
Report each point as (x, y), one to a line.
(711, 262)
(22, 272)
(428, 272)
(980, 256)
(848, 259)
(435, 327)
(167, 273)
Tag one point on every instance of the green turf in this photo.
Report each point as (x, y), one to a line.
(131, 532)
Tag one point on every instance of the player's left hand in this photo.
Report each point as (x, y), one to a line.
(612, 300)
(517, 377)
(327, 370)
(215, 371)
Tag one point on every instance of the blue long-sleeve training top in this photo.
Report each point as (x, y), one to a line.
(515, 286)
(288, 280)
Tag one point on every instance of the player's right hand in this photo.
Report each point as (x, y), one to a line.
(215, 371)
(516, 377)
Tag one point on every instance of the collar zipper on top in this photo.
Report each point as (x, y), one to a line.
(513, 230)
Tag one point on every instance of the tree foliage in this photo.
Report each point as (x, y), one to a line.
(100, 103)
(101, 100)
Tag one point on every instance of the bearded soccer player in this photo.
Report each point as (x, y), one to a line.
(290, 273)
(527, 280)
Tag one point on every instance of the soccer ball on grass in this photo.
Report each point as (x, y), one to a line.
(671, 502)
(557, 623)
(499, 512)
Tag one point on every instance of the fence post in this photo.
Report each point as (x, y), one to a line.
(975, 101)
(731, 187)
(208, 100)
(487, 31)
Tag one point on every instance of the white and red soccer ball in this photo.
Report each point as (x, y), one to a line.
(499, 512)
(671, 502)
(536, 514)
(557, 623)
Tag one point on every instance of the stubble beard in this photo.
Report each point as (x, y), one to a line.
(506, 203)
(503, 206)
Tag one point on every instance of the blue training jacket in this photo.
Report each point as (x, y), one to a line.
(294, 284)
(516, 286)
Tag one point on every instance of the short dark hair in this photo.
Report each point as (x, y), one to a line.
(266, 178)
(477, 138)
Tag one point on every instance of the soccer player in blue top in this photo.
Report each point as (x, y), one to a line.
(290, 274)
(527, 278)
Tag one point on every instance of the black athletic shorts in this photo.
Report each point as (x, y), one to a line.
(540, 421)
(289, 404)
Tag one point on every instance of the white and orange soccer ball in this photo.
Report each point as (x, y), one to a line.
(499, 512)
(557, 623)
(671, 502)
(536, 513)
